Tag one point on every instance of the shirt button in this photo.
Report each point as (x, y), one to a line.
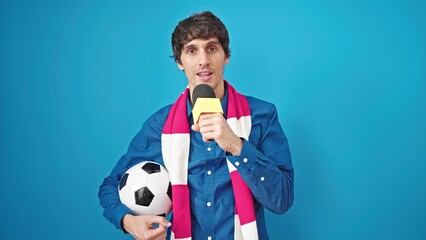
(209, 172)
(262, 179)
(237, 164)
(245, 160)
(209, 204)
(209, 238)
(209, 149)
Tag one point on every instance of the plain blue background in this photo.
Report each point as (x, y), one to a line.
(78, 79)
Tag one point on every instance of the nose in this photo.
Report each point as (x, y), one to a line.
(204, 59)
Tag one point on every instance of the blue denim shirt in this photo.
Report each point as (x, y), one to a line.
(267, 170)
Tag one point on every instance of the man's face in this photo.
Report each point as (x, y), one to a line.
(203, 61)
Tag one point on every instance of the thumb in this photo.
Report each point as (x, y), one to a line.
(195, 127)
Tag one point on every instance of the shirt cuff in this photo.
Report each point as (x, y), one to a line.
(245, 161)
(252, 168)
(119, 214)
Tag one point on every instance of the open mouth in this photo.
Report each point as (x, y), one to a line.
(205, 75)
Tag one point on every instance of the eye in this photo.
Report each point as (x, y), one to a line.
(212, 49)
(190, 51)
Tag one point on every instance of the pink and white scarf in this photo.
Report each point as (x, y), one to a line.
(175, 141)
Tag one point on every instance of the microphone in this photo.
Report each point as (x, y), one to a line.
(205, 101)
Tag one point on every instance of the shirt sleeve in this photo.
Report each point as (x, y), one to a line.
(145, 146)
(265, 164)
(109, 199)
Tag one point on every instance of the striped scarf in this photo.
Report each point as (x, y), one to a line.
(175, 141)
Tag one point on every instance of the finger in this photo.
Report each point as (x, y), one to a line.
(157, 233)
(162, 221)
(208, 137)
(210, 115)
(161, 231)
(211, 122)
(207, 129)
(209, 133)
(195, 127)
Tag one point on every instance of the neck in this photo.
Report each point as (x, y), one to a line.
(219, 90)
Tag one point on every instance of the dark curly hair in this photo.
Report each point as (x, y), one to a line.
(200, 25)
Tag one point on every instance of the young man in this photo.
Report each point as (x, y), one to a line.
(224, 169)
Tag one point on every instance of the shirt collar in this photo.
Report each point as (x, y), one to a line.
(224, 104)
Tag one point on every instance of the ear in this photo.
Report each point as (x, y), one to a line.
(226, 60)
(180, 66)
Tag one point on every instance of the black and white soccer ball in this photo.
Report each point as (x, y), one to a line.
(145, 189)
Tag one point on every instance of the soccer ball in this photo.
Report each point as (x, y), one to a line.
(146, 190)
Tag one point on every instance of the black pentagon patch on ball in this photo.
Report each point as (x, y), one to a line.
(143, 197)
(151, 168)
(169, 191)
(123, 180)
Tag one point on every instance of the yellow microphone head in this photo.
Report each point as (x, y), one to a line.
(206, 105)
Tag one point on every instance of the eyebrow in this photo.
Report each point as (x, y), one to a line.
(213, 42)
